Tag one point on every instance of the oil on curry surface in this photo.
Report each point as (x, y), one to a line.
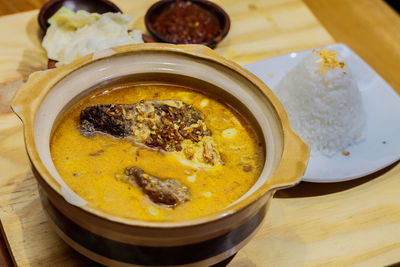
(172, 153)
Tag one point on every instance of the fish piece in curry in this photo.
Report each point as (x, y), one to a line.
(172, 126)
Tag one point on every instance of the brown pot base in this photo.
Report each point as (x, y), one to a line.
(110, 252)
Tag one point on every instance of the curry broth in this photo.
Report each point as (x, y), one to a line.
(94, 167)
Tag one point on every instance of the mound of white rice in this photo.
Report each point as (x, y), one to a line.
(323, 103)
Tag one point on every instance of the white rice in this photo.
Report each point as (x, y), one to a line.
(323, 103)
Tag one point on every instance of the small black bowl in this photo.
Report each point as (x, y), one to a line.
(51, 7)
(159, 7)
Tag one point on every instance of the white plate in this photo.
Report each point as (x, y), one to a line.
(381, 146)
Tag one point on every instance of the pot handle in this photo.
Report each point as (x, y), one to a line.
(293, 162)
(30, 93)
(197, 49)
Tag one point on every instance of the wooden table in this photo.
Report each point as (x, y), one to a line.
(355, 222)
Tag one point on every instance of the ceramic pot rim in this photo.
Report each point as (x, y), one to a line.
(288, 172)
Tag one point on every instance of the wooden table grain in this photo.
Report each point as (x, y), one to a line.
(371, 29)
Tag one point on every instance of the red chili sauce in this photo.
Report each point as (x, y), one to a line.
(188, 23)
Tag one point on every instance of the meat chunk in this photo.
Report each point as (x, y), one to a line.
(169, 191)
(168, 125)
(106, 118)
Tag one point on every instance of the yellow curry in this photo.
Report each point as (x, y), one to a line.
(156, 151)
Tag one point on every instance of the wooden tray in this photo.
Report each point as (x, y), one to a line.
(312, 224)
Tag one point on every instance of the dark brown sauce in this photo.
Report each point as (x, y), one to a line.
(188, 23)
